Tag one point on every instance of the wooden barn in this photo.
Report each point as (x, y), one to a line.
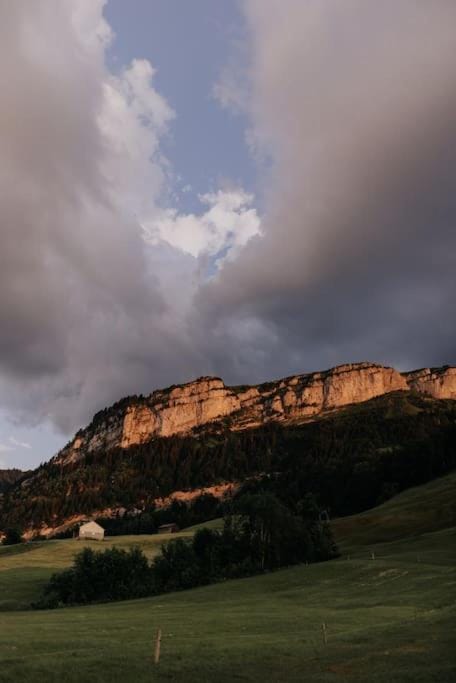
(168, 528)
(91, 531)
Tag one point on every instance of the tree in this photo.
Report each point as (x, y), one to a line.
(176, 567)
(12, 537)
(205, 545)
(266, 522)
(112, 574)
(205, 507)
(273, 536)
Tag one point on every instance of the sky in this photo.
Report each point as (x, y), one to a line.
(243, 188)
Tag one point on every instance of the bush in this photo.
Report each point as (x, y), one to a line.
(99, 577)
(12, 537)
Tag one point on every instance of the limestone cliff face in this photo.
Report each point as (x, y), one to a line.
(184, 408)
(437, 382)
(181, 409)
(305, 396)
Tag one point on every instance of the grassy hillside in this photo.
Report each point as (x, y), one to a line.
(430, 507)
(418, 510)
(389, 619)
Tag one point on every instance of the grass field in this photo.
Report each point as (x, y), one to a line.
(26, 568)
(416, 511)
(389, 619)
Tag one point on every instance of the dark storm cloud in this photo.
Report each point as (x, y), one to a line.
(355, 102)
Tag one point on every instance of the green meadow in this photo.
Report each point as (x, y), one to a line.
(388, 605)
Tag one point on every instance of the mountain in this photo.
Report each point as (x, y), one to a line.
(10, 477)
(184, 408)
(323, 427)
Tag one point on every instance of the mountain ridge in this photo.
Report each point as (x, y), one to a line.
(351, 435)
(9, 476)
(180, 409)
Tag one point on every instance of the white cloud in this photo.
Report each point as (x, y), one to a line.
(133, 118)
(230, 92)
(20, 444)
(12, 445)
(228, 224)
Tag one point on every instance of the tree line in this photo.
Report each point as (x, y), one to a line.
(260, 536)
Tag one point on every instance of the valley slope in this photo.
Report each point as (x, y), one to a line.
(388, 619)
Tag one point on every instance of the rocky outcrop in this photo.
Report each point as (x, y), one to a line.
(176, 410)
(306, 396)
(184, 408)
(436, 382)
(181, 409)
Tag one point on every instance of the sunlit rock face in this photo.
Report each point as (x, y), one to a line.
(305, 396)
(182, 409)
(437, 382)
(165, 412)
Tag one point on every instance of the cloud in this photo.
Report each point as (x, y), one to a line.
(354, 104)
(11, 446)
(20, 444)
(85, 317)
(229, 223)
(92, 312)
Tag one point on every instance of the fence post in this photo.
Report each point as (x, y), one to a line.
(157, 646)
(325, 636)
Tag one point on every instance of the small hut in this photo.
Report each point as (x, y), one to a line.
(91, 531)
(168, 528)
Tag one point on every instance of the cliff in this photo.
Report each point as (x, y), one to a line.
(436, 382)
(182, 409)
